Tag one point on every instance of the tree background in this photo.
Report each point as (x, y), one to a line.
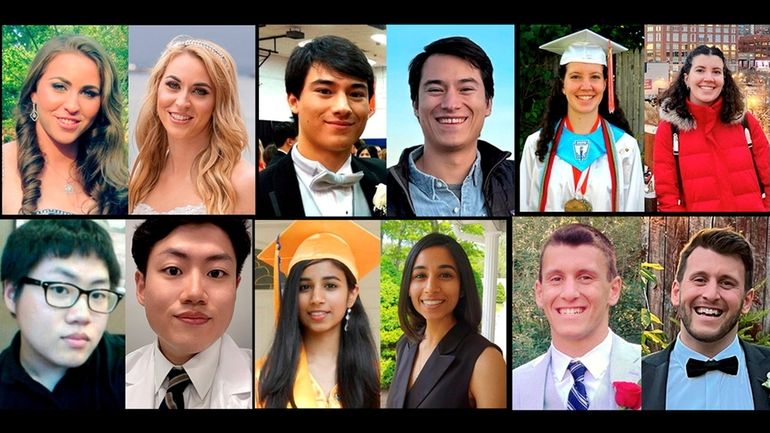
(537, 72)
(398, 237)
(530, 333)
(21, 44)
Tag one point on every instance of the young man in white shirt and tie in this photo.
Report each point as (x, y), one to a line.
(330, 91)
(577, 284)
(708, 366)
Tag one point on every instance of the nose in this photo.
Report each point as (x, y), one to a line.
(183, 99)
(431, 284)
(710, 291)
(451, 100)
(72, 103)
(570, 291)
(317, 296)
(193, 291)
(341, 105)
(585, 84)
(79, 313)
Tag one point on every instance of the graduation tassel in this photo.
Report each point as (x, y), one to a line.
(277, 278)
(610, 80)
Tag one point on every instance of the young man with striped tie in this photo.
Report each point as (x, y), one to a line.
(577, 284)
(708, 366)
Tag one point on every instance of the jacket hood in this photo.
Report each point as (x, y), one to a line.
(670, 115)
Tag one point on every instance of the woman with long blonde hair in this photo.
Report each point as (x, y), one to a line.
(190, 135)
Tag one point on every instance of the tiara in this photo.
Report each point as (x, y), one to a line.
(185, 40)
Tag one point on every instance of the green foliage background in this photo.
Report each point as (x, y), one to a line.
(536, 76)
(398, 237)
(21, 43)
(531, 334)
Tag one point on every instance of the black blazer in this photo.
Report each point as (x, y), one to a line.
(445, 379)
(278, 189)
(655, 376)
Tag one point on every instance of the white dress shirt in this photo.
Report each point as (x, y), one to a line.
(332, 202)
(201, 368)
(597, 363)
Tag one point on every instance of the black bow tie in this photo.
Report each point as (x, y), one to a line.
(697, 368)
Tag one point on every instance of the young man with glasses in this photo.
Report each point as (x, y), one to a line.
(60, 281)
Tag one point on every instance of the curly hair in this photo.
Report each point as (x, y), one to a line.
(556, 109)
(101, 156)
(215, 164)
(676, 96)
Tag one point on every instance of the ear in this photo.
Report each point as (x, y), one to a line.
(372, 105)
(140, 286)
(33, 97)
(237, 282)
(352, 296)
(615, 286)
(748, 300)
(675, 293)
(293, 103)
(8, 294)
(416, 113)
(539, 294)
(489, 107)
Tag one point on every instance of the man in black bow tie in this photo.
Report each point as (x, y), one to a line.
(708, 366)
(330, 91)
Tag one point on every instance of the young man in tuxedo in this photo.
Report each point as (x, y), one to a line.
(708, 366)
(330, 90)
(577, 285)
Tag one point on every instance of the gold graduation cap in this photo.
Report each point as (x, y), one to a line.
(585, 46)
(344, 241)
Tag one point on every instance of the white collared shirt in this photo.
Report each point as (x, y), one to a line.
(596, 361)
(334, 202)
(201, 368)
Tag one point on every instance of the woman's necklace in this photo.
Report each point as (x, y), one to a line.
(69, 181)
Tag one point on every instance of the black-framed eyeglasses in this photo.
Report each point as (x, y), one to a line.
(65, 295)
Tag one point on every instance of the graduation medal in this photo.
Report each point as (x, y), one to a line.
(578, 205)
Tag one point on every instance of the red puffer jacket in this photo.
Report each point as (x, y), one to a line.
(715, 161)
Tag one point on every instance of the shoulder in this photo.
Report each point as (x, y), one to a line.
(656, 358)
(10, 153)
(374, 165)
(532, 139)
(490, 358)
(244, 175)
(138, 355)
(530, 366)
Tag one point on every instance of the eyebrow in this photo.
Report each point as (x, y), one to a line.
(72, 276)
(68, 82)
(443, 83)
(183, 255)
(200, 84)
(325, 82)
(446, 266)
(328, 277)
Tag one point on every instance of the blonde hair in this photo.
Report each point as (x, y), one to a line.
(227, 130)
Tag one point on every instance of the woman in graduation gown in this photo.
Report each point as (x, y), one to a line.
(442, 361)
(584, 157)
(323, 354)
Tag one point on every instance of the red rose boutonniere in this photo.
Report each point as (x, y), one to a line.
(628, 395)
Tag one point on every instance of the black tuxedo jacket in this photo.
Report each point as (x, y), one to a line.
(655, 376)
(278, 189)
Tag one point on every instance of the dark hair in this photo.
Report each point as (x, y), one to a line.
(283, 131)
(357, 373)
(556, 109)
(457, 46)
(369, 148)
(722, 241)
(468, 309)
(38, 240)
(576, 235)
(333, 52)
(101, 158)
(677, 94)
(154, 229)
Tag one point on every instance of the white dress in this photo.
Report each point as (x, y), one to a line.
(561, 186)
(190, 209)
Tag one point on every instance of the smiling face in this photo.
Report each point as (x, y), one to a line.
(451, 104)
(435, 284)
(576, 294)
(710, 299)
(189, 291)
(186, 98)
(324, 297)
(584, 85)
(59, 338)
(68, 97)
(333, 110)
(705, 79)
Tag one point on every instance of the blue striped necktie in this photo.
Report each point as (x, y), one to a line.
(177, 382)
(578, 399)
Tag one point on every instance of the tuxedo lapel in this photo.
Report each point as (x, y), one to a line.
(397, 393)
(758, 365)
(625, 366)
(367, 182)
(654, 379)
(285, 197)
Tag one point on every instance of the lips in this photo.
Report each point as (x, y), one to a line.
(68, 123)
(708, 311)
(571, 311)
(432, 303)
(76, 340)
(193, 318)
(318, 315)
(452, 120)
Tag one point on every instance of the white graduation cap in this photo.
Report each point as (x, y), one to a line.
(583, 46)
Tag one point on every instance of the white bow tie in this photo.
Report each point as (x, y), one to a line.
(327, 180)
